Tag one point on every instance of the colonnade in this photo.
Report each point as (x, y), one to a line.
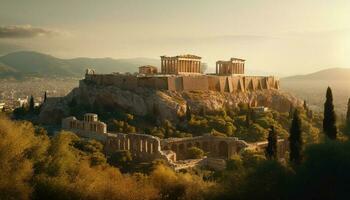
(228, 67)
(175, 65)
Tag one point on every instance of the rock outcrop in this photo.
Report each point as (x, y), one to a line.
(164, 104)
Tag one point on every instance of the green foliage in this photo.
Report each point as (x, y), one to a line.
(31, 104)
(188, 113)
(271, 149)
(45, 97)
(195, 153)
(324, 173)
(174, 186)
(347, 122)
(121, 127)
(295, 139)
(65, 166)
(234, 163)
(329, 120)
(121, 159)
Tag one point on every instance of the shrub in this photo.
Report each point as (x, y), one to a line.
(195, 153)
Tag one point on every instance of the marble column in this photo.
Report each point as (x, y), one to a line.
(199, 66)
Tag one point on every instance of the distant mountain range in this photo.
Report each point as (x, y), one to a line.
(29, 63)
(331, 74)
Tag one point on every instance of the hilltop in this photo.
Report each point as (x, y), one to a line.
(312, 87)
(330, 74)
(30, 63)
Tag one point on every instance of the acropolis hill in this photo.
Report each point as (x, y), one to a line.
(178, 85)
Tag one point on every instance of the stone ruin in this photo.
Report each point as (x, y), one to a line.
(148, 148)
(184, 73)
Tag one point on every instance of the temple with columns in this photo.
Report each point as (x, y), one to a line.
(182, 64)
(184, 73)
(233, 66)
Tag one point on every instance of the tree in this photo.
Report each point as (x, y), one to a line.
(248, 117)
(295, 139)
(305, 105)
(329, 120)
(271, 149)
(121, 159)
(188, 113)
(291, 111)
(31, 104)
(347, 123)
(45, 97)
(348, 112)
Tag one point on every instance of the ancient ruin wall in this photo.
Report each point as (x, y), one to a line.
(186, 83)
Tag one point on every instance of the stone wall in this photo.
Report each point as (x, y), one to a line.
(218, 147)
(148, 148)
(186, 83)
(142, 147)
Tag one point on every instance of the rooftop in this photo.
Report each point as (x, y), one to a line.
(183, 56)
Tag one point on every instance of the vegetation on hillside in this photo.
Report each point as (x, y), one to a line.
(242, 122)
(34, 166)
(64, 166)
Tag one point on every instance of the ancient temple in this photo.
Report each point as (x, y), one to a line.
(183, 64)
(148, 69)
(233, 66)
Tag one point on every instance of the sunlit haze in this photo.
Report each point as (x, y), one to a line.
(279, 37)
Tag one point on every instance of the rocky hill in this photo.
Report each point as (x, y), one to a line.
(168, 105)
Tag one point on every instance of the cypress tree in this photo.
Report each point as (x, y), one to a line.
(248, 117)
(291, 111)
(348, 112)
(305, 105)
(188, 113)
(45, 97)
(271, 149)
(347, 123)
(295, 139)
(329, 120)
(31, 104)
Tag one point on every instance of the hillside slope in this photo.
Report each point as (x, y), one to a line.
(327, 74)
(165, 105)
(38, 64)
(312, 87)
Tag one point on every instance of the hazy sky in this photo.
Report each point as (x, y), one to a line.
(277, 36)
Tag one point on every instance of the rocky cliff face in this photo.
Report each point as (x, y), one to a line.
(168, 105)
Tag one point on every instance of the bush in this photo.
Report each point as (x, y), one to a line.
(121, 159)
(195, 153)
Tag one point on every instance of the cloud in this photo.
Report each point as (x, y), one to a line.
(24, 31)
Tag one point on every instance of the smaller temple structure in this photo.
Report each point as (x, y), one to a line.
(181, 65)
(90, 124)
(233, 66)
(148, 70)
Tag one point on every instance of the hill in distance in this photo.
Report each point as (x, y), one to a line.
(29, 63)
(330, 74)
(312, 87)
